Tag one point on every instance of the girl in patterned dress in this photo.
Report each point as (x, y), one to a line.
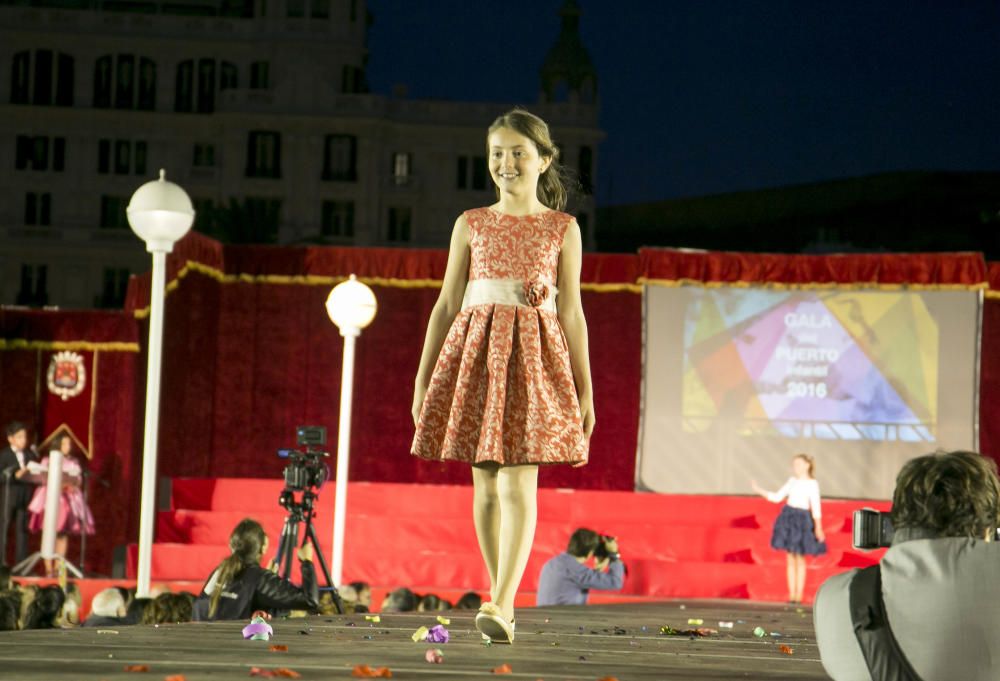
(504, 380)
(798, 530)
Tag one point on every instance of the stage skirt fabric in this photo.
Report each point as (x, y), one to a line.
(793, 532)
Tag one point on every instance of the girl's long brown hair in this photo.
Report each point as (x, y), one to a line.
(551, 183)
(247, 545)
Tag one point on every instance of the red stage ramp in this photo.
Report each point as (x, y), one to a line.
(422, 536)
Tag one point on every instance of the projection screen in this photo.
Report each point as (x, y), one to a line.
(737, 380)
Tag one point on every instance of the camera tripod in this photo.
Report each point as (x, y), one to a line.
(301, 512)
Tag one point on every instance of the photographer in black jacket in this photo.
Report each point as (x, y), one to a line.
(240, 586)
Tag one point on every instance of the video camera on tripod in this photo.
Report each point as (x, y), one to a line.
(305, 474)
(306, 469)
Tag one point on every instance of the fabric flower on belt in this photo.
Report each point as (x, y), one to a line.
(535, 292)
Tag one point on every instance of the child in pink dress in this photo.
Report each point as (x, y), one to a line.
(74, 514)
(504, 380)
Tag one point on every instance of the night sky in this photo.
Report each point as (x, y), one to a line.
(704, 96)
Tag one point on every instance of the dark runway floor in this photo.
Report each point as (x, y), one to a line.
(585, 644)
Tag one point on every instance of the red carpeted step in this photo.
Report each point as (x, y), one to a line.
(573, 507)
(436, 571)
(668, 543)
(675, 546)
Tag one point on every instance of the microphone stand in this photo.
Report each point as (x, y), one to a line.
(6, 514)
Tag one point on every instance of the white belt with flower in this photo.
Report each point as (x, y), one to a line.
(532, 293)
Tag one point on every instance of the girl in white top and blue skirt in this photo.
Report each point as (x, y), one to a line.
(798, 529)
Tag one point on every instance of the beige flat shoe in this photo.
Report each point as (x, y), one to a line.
(492, 624)
(513, 627)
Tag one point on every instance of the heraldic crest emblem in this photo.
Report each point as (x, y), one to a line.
(67, 375)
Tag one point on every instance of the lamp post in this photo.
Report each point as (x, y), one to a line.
(159, 213)
(351, 306)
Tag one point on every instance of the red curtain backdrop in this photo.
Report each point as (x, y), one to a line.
(989, 368)
(912, 269)
(27, 340)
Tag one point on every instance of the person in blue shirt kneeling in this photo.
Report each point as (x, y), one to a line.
(566, 579)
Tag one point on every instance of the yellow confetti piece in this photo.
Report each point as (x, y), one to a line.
(373, 618)
(443, 620)
(419, 635)
(696, 621)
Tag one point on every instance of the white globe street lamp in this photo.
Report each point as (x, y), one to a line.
(351, 306)
(159, 213)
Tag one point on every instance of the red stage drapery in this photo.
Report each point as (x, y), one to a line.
(865, 269)
(109, 340)
(249, 354)
(989, 368)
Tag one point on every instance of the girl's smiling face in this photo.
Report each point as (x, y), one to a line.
(515, 164)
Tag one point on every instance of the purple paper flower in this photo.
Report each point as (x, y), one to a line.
(437, 634)
(258, 630)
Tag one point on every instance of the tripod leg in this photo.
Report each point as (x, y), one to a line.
(311, 536)
(290, 547)
(279, 555)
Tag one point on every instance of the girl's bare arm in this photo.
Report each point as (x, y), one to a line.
(448, 304)
(570, 310)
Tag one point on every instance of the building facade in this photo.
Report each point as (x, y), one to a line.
(260, 110)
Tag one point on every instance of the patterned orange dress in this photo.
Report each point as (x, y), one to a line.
(502, 389)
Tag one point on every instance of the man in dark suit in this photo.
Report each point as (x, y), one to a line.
(14, 461)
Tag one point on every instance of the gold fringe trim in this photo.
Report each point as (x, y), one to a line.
(73, 436)
(322, 280)
(674, 283)
(622, 287)
(992, 295)
(611, 288)
(24, 344)
(93, 405)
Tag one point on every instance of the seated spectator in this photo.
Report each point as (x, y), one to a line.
(348, 599)
(136, 610)
(470, 600)
(327, 606)
(169, 608)
(70, 615)
(107, 609)
(28, 593)
(938, 585)
(433, 603)
(10, 610)
(45, 608)
(127, 594)
(363, 600)
(240, 586)
(400, 600)
(566, 580)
